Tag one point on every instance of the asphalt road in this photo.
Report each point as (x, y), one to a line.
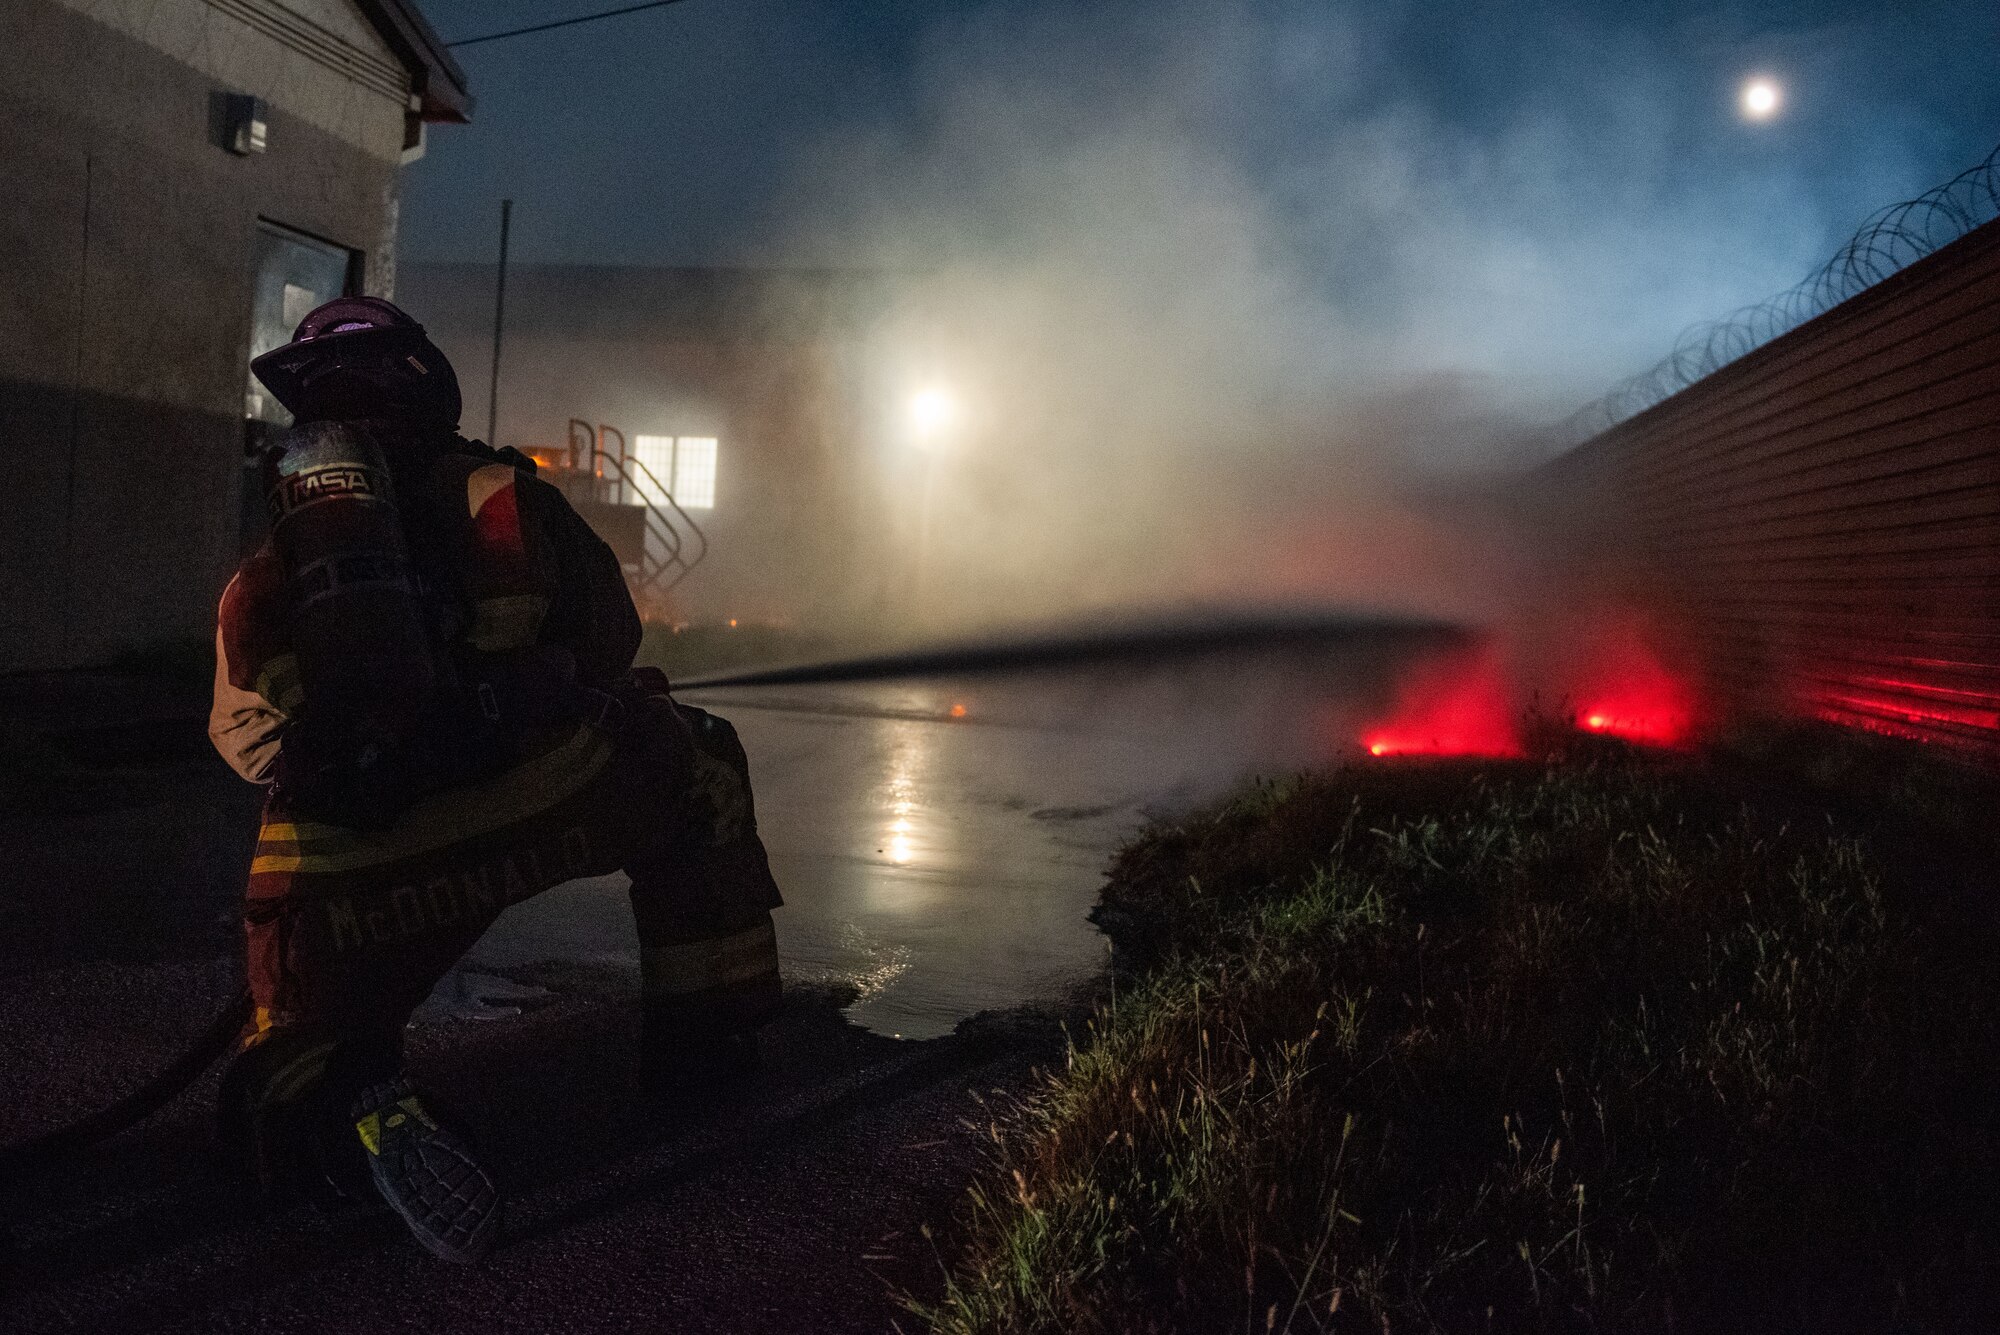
(791, 1204)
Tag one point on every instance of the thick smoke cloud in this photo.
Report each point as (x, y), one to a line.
(1216, 287)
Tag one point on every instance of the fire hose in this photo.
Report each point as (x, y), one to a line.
(140, 1104)
(1151, 643)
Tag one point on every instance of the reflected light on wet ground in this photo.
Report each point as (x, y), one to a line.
(940, 844)
(902, 839)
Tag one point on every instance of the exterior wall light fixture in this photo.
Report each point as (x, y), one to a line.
(245, 126)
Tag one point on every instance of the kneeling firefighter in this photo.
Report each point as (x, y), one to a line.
(429, 661)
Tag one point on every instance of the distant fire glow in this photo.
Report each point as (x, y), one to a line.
(1457, 707)
(1761, 99)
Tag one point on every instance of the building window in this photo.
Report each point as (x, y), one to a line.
(683, 468)
(656, 467)
(694, 472)
(295, 273)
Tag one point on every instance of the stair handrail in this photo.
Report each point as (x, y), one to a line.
(590, 442)
(601, 453)
(659, 522)
(588, 457)
(667, 495)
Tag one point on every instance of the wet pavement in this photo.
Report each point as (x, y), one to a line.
(940, 845)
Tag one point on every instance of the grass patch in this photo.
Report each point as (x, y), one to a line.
(1598, 1044)
(1946, 793)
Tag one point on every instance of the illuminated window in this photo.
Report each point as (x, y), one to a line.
(656, 454)
(684, 467)
(694, 472)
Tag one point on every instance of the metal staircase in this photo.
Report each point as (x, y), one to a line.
(656, 540)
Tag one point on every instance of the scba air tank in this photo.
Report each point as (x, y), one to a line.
(357, 627)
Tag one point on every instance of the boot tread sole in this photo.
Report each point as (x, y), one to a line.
(428, 1175)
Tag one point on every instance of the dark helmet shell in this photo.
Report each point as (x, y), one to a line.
(361, 357)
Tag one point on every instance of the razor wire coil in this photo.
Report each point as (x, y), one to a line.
(1889, 240)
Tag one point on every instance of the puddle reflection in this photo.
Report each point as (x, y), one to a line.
(903, 842)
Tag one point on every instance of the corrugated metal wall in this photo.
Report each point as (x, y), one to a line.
(1821, 518)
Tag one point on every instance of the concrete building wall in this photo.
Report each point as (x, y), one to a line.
(126, 294)
(319, 59)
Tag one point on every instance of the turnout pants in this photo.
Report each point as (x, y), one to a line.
(348, 931)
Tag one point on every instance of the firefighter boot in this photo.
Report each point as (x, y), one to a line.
(705, 999)
(269, 1109)
(426, 1172)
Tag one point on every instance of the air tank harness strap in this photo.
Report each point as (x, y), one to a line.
(504, 701)
(602, 708)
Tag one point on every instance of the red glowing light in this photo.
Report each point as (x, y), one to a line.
(1868, 710)
(958, 711)
(1632, 696)
(1457, 707)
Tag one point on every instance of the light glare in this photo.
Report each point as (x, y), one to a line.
(932, 409)
(1760, 99)
(694, 472)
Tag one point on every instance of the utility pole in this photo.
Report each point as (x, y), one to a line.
(499, 327)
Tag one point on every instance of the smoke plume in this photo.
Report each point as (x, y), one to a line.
(1218, 289)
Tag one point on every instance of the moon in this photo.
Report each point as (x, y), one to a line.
(1761, 99)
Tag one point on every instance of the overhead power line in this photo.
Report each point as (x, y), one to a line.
(563, 23)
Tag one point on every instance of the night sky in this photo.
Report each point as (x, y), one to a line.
(1540, 179)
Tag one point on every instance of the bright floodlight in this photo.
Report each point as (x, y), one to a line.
(932, 409)
(1760, 99)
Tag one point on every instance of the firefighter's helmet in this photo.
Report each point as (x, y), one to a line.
(358, 357)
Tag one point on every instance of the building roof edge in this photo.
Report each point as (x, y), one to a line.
(435, 77)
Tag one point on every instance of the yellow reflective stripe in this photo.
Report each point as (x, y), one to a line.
(296, 1076)
(369, 1128)
(278, 682)
(260, 1028)
(717, 961)
(506, 621)
(439, 821)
